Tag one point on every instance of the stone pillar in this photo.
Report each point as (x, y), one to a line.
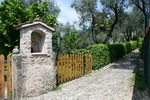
(33, 74)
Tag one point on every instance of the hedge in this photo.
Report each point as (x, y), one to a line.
(102, 54)
(80, 51)
(116, 51)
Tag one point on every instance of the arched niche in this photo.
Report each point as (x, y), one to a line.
(37, 41)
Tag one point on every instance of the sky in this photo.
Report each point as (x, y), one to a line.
(67, 13)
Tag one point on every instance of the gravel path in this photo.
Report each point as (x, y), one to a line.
(113, 82)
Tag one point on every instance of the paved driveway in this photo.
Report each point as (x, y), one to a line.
(113, 82)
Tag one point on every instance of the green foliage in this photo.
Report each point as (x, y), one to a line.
(71, 41)
(80, 51)
(61, 30)
(57, 88)
(127, 47)
(133, 45)
(92, 22)
(116, 51)
(12, 12)
(139, 81)
(142, 50)
(140, 42)
(119, 50)
(38, 9)
(100, 55)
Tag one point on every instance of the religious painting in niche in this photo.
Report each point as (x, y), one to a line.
(35, 42)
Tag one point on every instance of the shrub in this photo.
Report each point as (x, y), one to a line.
(116, 51)
(133, 45)
(100, 55)
(79, 51)
(128, 47)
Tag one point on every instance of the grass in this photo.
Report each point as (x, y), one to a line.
(139, 81)
(57, 88)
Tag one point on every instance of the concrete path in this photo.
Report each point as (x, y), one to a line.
(113, 82)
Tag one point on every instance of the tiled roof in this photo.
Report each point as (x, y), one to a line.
(19, 26)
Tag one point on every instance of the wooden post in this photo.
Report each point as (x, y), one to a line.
(9, 77)
(76, 66)
(59, 69)
(90, 63)
(70, 70)
(67, 67)
(79, 63)
(64, 68)
(73, 67)
(87, 64)
(2, 81)
(82, 64)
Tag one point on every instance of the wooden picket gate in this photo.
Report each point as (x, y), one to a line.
(5, 71)
(70, 67)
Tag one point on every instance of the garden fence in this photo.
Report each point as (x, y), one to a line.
(70, 67)
(5, 71)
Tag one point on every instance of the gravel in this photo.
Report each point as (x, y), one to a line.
(113, 82)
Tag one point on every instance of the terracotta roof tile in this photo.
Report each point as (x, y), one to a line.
(28, 22)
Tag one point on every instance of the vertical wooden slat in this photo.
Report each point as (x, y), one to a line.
(9, 77)
(83, 64)
(57, 64)
(87, 64)
(61, 57)
(75, 66)
(79, 59)
(72, 66)
(59, 69)
(90, 63)
(80, 65)
(2, 81)
(67, 67)
(64, 68)
(70, 73)
(73, 71)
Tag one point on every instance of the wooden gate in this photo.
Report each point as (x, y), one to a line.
(70, 67)
(5, 77)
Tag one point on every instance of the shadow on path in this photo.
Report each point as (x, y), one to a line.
(131, 62)
(128, 62)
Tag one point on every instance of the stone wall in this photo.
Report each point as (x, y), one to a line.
(33, 74)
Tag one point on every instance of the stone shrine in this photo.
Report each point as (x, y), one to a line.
(33, 70)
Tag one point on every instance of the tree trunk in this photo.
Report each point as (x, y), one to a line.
(113, 25)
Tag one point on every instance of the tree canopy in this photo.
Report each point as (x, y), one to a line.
(13, 12)
(100, 21)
